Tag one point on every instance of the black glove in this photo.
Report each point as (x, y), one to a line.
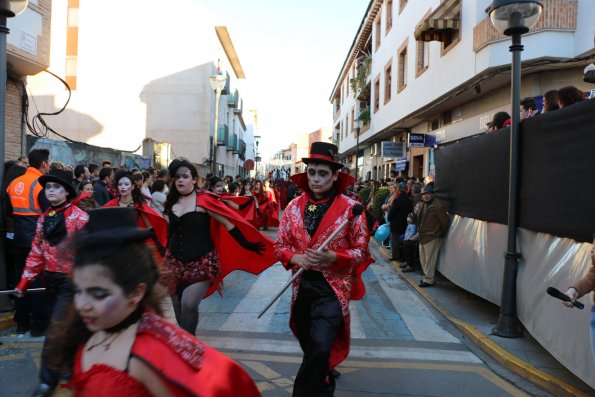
(246, 204)
(239, 237)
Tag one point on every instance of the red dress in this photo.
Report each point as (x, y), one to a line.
(158, 223)
(183, 363)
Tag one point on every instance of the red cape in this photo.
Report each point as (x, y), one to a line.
(158, 222)
(248, 212)
(232, 256)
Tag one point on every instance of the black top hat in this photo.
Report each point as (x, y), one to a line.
(112, 226)
(428, 189)
(61, 177)
(323, 152)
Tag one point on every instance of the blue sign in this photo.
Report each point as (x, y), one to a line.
(401, 164)
(417, 140)
(393, 149)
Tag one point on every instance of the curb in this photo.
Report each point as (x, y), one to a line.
(6, 320)
(542, 379)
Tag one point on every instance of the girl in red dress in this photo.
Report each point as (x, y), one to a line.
(148, 218)
(114, 340)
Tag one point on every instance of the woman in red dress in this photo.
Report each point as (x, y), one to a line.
(114, 341)
(271, 218)
(207, 240)
(148, 218)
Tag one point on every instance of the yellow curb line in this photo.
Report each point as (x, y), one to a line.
(6, 321)
(542, 379)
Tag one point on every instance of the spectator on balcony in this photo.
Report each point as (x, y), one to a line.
(569, 96)
(550, 101)
(528, 108)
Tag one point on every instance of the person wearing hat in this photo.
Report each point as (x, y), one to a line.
(320, 317)
(207, 241)
(432, 223)
(114, 341)
(55, 228)
(397, 216)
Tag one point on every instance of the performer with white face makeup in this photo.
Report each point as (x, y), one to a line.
(114, 340)
(148, 218)
(331, 277)
(207, 240)
(47, 256)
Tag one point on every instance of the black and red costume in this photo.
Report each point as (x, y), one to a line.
(320, 300)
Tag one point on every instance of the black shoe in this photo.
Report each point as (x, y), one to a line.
(423, 284)
(403, 265)
(37, 334)
(43, 390)
(22, 329)
(407, 269)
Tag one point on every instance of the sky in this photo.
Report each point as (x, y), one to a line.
(292, 53)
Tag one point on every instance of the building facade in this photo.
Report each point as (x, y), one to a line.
(28, 49)
(147, 80)
(421, 73)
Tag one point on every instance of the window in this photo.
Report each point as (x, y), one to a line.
(451, 39)
(422, 59)
(377, 29)
(389, 15)
(376, 93)
(434, 124)
(447, 117)
(388, 78)
(402, 78)
(402, 4)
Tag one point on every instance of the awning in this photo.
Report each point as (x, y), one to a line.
(445, 18)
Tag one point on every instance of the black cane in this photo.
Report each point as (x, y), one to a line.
(355, 211)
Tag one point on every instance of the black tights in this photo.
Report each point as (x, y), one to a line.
(186, 302)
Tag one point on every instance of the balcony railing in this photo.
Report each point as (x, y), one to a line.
(232, 99)
(556, 15)
(222, 133)
(231, 141)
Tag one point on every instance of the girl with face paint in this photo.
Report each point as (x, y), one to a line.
(114, 341)
(132, 197)
(199, 220)
(55, 228)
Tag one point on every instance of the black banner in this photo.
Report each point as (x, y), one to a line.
(557, 171)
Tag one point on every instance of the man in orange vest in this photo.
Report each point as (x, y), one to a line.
(26, 202)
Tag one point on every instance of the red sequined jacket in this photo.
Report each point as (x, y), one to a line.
(43, 256)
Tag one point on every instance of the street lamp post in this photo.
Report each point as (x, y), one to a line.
(218, 82)
(358, 126)
(513, 18)
(8, 9)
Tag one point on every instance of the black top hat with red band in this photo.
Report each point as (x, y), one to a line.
(323, 152)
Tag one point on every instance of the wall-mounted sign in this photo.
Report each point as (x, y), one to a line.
(257, 159)
(393, 149)
(417, 140)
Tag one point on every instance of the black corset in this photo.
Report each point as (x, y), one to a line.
(189, 235)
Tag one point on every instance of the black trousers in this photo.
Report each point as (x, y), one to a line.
(31, 312)
(318, 317)
(397, 251)
(60, 291)
(411, 249)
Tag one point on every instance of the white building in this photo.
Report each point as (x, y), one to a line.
(140, 71)
(451, 86)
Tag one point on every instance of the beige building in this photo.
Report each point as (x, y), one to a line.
(135, 76)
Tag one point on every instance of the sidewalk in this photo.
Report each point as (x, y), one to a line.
(475, 318)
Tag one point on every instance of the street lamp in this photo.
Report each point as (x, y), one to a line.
(513, 18)
(218, 82)
(8, 9)
(358, 126)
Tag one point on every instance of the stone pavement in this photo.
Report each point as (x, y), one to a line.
(476, 317)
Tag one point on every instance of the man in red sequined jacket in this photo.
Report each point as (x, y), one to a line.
(331, 278)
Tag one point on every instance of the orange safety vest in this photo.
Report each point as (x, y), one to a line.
(23, 193)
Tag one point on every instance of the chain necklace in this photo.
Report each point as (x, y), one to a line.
(107, 345)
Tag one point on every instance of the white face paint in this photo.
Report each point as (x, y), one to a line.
(125, 186)
(219, 187)
(55, 193)
(320, 179)
(184, 181)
